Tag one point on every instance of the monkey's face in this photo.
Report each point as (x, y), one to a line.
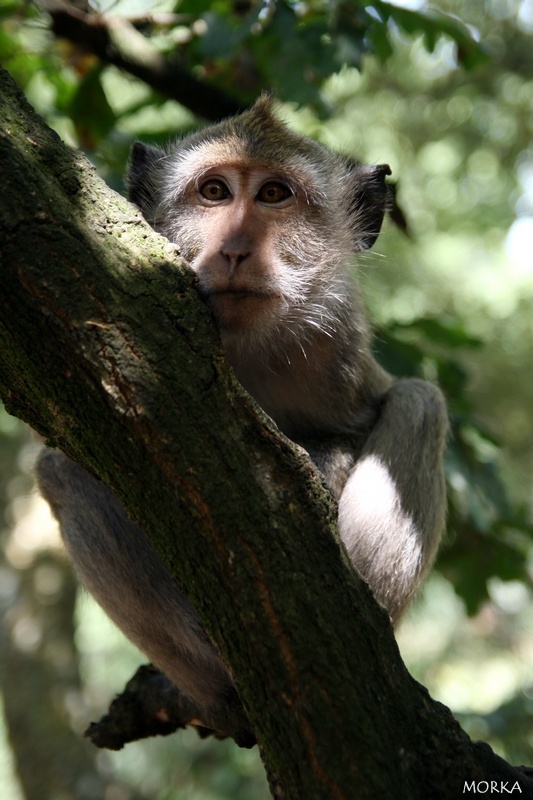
(268, 219)
(261, 245)
(238, 216)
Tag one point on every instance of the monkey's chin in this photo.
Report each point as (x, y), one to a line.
(235, 311)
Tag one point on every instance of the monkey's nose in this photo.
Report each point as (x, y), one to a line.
(234, 257)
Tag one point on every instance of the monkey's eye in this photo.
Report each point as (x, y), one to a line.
(273, 192)
(214, 189)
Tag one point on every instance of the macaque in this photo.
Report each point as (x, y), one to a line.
(270, 222)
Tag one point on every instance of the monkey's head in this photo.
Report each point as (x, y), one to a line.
(268, 219)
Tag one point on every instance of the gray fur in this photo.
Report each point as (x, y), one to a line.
(308, 363)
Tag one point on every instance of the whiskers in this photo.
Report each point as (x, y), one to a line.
(306, 314)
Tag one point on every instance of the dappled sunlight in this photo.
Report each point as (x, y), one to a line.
(34, 530)
(519, 249)
(472, 665)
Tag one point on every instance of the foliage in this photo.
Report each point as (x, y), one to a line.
(232, 44)
(445, 96)
(311, 41)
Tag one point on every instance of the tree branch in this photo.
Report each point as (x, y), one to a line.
(150, 705)
(106, 349)
(116, 41)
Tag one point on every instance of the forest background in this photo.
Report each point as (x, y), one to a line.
(448, 103)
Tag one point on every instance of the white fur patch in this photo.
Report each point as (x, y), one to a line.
(369, 509)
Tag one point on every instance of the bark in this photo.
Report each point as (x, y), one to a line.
(107, 351)
(150, 705)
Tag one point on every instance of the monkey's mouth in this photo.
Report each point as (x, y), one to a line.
(242, 308)
(236, 292)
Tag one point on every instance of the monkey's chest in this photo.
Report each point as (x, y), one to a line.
(303, 404)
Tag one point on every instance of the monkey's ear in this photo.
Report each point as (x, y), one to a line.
(142, 176)
(368, 203)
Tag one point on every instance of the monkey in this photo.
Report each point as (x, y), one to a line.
(271, 221)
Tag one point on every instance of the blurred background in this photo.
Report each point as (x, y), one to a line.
(442, 93)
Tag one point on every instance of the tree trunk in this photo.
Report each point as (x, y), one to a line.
(107, 351)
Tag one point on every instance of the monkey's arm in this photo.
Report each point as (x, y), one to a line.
(392, 508)
(116, 562)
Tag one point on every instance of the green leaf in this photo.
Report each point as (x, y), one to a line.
(444, 330)
(90, 111)
(198, 7)
(294, 55)
(378, 36)
(432, 25)
(223, 36)
(397, 356)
